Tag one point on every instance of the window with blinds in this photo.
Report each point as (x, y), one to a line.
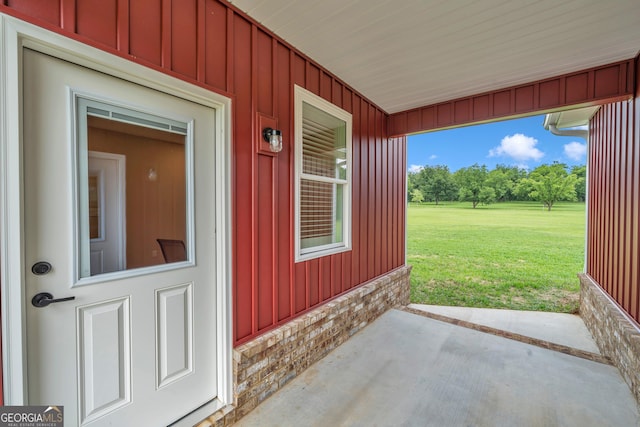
(323, 174)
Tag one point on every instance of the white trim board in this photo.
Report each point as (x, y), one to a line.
(15, 35)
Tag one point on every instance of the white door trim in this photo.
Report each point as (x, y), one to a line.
(14, 36)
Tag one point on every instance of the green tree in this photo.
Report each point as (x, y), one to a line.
(523, 189)
(550, 184)
(507, 190)
(417, 196)
(501, 184)
(438, 183)
(581, 182)
(487, 195)
(471, 181)
(411, 183)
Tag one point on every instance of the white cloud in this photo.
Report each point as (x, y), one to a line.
(433, 157)
(519, 147)
(415, 168)
(575, 150)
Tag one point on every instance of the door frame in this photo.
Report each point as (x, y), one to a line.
(15, 35)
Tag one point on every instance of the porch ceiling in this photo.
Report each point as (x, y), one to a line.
(413, 53)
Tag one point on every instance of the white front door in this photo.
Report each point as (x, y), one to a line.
(135, 347)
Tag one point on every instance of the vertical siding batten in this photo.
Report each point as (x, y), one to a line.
(615, 203)
(623, 252)
(364, 191)
(201, 36)
(122, 25)
(625, 202)
(355, 193)
(288, 244)
(608, 190)
(301, 288)
(67, 15)
(256, 293)
(276, 201)
(384, 149)
(379, 194)
(230, 62)
(601, 208)
(313, 269)
(603, 211)
(166, 28)
(371, 209)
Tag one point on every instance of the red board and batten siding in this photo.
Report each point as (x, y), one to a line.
(211, 44)
(608, 83)
(613, 242)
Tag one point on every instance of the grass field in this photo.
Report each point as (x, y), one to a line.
(506, 255)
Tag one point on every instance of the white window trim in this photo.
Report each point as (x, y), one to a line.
(302, 95)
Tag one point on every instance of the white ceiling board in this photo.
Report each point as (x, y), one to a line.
(412, 53)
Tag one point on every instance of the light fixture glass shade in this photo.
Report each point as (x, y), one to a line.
(275, 142)
(274, 138)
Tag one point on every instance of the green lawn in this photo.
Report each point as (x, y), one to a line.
(505, 255)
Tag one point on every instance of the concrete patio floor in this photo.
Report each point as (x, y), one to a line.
(406, 369)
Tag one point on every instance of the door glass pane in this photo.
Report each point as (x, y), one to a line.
(132, 184)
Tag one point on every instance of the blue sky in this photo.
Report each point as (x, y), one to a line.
(520, 142)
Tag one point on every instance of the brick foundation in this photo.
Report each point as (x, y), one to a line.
(616, 335)
(265, 364)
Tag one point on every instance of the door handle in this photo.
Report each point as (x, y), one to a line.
(43, 299)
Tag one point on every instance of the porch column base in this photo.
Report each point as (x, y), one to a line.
(615, 333)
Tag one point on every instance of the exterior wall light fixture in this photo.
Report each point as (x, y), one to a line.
(274, 138)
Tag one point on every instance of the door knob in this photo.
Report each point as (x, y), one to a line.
(43, 299)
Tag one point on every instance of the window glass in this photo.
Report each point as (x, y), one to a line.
(324, 150)
(132, 185)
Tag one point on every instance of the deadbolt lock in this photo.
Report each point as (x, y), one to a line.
(40, 268)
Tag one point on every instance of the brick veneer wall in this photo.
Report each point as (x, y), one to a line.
(616, 335)
(267, 363)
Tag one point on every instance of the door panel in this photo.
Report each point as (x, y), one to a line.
(174, 325)
(105, 357)
(137, 346)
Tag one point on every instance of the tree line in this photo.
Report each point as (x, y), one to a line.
(548, 184)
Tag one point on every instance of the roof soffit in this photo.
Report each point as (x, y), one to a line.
(403, 55)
